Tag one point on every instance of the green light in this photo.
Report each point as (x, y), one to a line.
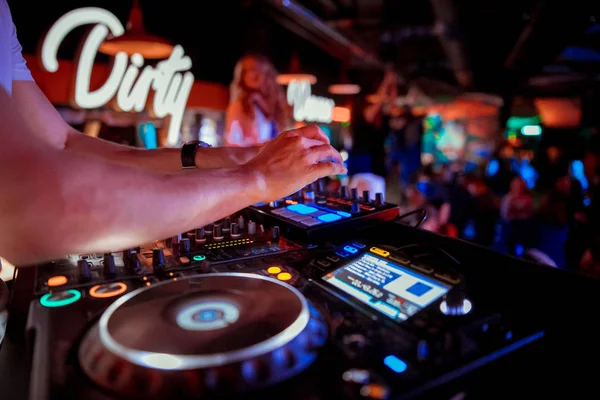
(199, 258)
(47, 302)
(519, 122)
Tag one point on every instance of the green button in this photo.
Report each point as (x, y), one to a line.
(199, 258)
(60, 299)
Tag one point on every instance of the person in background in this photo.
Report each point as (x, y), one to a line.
(485, 211)
(258, 108)
(555, 213)
(516, 211)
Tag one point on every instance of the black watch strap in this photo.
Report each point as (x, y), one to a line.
(188, 153)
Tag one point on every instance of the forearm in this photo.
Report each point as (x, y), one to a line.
(159, 160)
(78, 205)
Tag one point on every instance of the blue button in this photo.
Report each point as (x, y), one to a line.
(342, 254)
(351, 249)
(302, 209)
(395, 364)
(344, 214)
(329, 217)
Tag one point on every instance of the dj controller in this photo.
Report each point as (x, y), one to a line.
(315, 296)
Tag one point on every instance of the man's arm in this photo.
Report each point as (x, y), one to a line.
(43, 119)
(57, 201)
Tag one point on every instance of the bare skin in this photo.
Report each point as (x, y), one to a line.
(66, 193)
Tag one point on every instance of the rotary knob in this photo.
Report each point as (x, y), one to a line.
(200, 235)
(84, 271)
(185, 246)
(158, 260)
(218, 233)
(344, 192)
(110, 268)
(234, 231)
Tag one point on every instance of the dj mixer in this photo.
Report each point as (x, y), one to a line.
(280, 300)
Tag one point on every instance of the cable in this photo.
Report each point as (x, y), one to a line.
(413, 212)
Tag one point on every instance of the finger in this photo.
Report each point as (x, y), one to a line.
(310, 132)
(319, 170)
(324, 152)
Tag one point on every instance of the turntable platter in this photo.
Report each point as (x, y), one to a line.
(206, 333)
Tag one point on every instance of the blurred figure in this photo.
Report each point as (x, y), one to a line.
(485, 212)
(258, 108)
(555, 214)
(516, 210)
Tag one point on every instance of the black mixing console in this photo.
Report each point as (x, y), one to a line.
(252, 307)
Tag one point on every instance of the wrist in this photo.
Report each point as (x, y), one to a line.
(252, 181)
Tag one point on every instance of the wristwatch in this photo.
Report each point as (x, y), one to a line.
(188, 153)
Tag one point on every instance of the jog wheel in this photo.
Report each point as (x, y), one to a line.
(209, 334)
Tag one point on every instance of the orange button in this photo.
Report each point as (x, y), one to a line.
(108, 290)
(284, 276)
(274, 270)
(58, 280)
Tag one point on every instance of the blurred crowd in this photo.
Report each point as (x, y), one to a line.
(552, 212)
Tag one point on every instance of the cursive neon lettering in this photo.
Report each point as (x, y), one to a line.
(306, 106)
(171, 79)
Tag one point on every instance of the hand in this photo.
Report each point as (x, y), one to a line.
(293, 160)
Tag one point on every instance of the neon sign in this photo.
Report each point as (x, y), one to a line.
(306, 106)
(170, 79)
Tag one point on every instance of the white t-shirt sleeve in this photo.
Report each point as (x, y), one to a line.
(20, 72)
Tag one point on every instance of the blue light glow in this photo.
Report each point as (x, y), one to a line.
(329, 217)
(344, 214)
(302, 209)
(350, 249)
(395, 364)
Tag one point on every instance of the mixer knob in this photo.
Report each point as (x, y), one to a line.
(235, 230)
(110, 269)
(355, 207)
(191, 234)
(456, 303)
(83, 271)
(321, 185)
(200, 235)
(251, 228)
(344, 192)
(226, 224)
(158, 260)
(241, 222)
(209, 229)
(218, 232)
(132, 263)
(354, 194)
(185, 245)
(275, 232)
(366, 196)
(379, 199)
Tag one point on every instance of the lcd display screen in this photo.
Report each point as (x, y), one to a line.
(395, 291)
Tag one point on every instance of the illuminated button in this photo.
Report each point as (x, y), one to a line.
(342, 254)
(344, 214)
(302, 209)
(329, 217)
(380, 252)
(60, 299)
(199, 257)
(395, 364)
(184, 260)
(58, 280)
(284, 276)
(375, 391)
(274, 270)
(108, 290)
(351, 250)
